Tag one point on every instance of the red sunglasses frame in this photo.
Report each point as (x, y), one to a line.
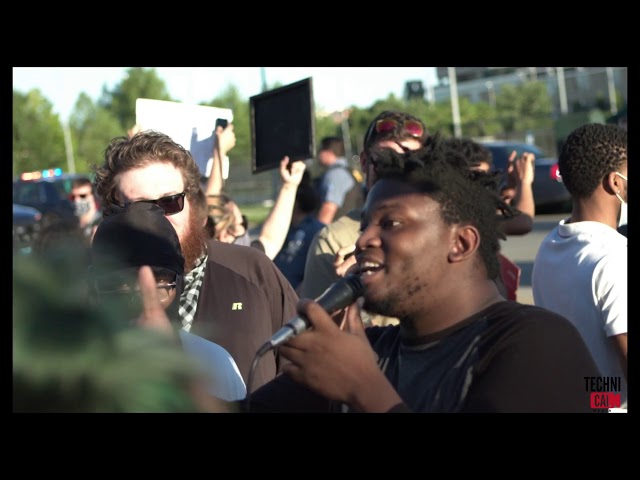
(384, 125)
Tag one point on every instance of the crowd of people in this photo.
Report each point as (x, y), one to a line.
(161, 265)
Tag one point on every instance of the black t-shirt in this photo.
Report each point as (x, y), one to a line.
(508, 358)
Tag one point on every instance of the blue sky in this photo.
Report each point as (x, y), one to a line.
(334, 88)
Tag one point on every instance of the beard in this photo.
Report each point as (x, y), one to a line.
(380, 307)
(402, 303)
(193, 241)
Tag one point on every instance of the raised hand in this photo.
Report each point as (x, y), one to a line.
(293, 175)
(153, 312)
(226, 139)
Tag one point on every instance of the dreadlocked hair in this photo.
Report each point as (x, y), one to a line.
(441, 171)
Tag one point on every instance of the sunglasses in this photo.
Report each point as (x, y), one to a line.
(171, 204)
(124, 284)
(386, 125)
(131, 294)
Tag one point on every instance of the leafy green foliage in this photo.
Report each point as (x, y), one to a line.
(524, 107)
(138, 83)
(38, 137)
(327, 126)
(92, 127)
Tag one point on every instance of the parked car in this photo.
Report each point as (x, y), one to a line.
(49, 195)
(549, 192)
(26, 227)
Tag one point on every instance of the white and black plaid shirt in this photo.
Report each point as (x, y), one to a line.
(191, 293)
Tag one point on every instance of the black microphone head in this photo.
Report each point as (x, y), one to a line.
(355, 283)
(341, 294)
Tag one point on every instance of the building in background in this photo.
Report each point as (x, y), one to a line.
(585, 88)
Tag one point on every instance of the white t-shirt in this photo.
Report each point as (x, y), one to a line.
(225, 380)
(580, 272)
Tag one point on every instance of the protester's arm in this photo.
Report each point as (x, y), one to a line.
(522, 172)
(225, 141)
(338, 364)
(336, 183)
(275, 228)
(327, 212)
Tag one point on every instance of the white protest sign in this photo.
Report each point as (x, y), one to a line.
(191, 126)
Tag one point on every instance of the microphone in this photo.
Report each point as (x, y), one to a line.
(339, 295)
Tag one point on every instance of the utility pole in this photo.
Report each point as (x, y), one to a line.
(68, 146)
(275, 174)
(263, 76)
(346, 135)
(562, 91)
(491, 93)
(455, 108)
(613, 103)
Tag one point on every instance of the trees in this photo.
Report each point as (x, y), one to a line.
(138, 83)
(92, 127)
(38, 138)
(524, 107)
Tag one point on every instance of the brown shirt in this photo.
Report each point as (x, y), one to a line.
(243, 301)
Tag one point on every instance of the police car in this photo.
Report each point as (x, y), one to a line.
(47, 191)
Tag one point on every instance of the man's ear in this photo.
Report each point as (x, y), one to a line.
(608, 183)
(465, 241)
(613, 183)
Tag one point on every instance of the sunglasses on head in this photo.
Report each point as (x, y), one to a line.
(171, 204)
(385, 125)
